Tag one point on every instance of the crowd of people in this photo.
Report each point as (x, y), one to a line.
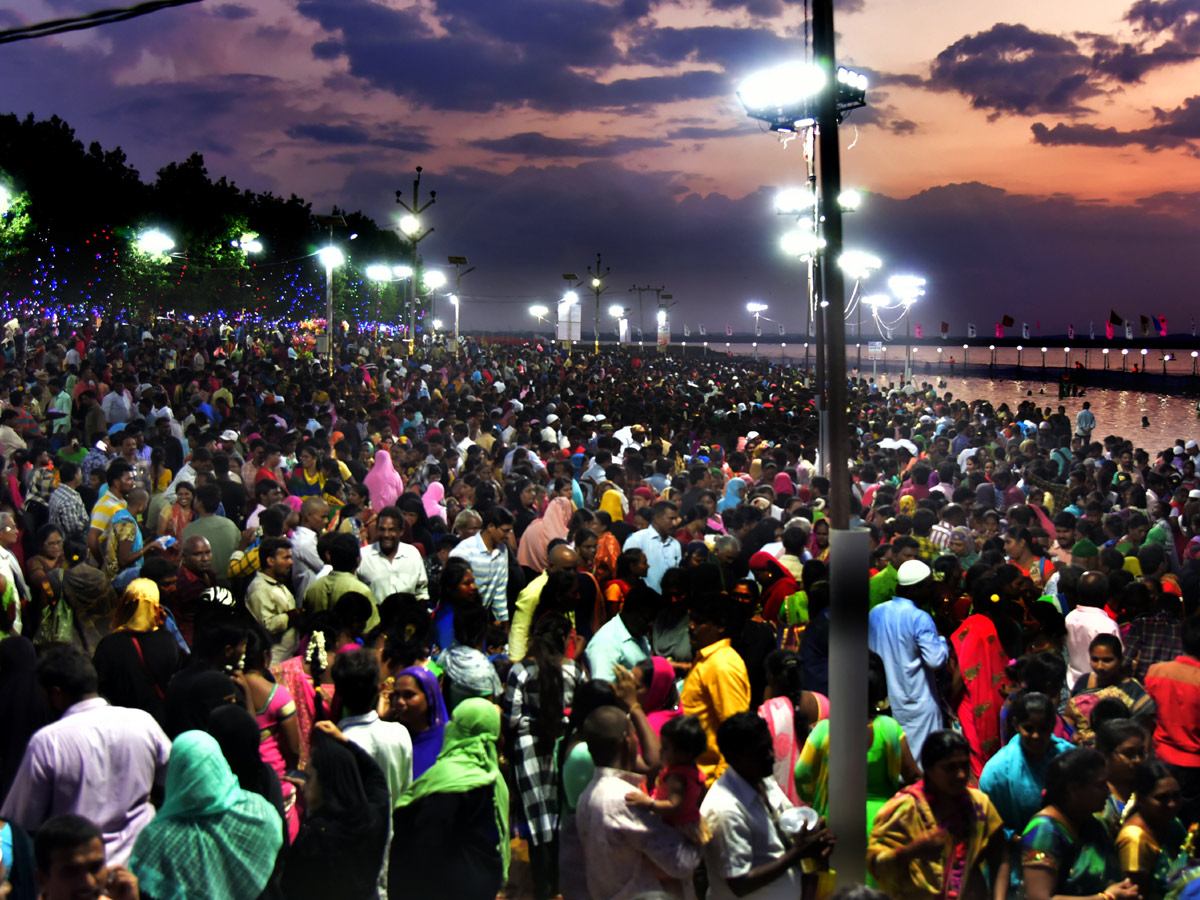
(525, 622)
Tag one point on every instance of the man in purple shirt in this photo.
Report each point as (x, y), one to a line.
(97, 761)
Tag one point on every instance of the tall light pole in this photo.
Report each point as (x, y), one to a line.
(458, 262)
(858, 265)
(539, 312)
(432, 280)
(906, 289)
(757, 309)
(411, 225)
(598, 288)
(332, 257)
(620, 313)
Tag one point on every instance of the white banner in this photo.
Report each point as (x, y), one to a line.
(687, 331)
(570, 319)
(782, 331)
(664, 331)
(971, 330)
(703, 331)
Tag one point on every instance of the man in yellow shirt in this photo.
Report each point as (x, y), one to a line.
(718, 686)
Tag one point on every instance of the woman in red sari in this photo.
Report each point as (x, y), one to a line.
(982, 660)
(777, 583)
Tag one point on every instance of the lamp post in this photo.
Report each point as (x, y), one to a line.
(966, 358)
(539, 312)
(332, 257)
(459, 273)
(1019, 349)
(1195, 356)
(858, 265)
(757, 309)
(1105, 352)
(1044, 349)
(598, 288)
(906, 289)
(620, 313)
(1066, 357)
(411, 225)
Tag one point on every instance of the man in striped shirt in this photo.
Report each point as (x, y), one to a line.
(487, 554)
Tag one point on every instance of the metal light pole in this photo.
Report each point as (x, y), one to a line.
(598, 288)
(458, 262)
(757, 309)
(411, 226)
(332, 258)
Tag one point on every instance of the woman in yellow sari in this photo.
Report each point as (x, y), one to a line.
(932, 839)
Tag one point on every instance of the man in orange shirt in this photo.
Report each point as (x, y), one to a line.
(1175, 687)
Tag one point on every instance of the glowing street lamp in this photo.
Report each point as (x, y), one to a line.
(850, 200)
(794, 201)
(800, 243)
(332, 257)
(433, 279)
(154, 243)
(906, 289)
(757, 309)
(859, 265)
(453, 298)
(379, 273)
(5, 199)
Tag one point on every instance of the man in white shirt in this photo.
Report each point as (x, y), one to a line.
(1087, 620)
(658, 543)
(749, 856)
(356, 678)
(628, 851)
(389, 566)
(306, 562)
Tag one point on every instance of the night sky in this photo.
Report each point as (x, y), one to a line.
(1031, 158)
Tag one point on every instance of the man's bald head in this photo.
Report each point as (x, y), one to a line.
(312, 512)
(137, 499)
(562, 559)
(605, 731)
(197, 554)
(1092, 589)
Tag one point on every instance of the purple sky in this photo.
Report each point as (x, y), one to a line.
(1031, 158)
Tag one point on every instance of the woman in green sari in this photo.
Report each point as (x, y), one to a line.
(451, 825)
(1066, 850)
(1151, 843)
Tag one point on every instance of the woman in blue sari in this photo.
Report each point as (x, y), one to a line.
(735, 489)
(1016, 776)
(417, 703)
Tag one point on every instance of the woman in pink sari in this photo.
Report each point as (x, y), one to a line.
(383, 481)
(308, 680)
(790, 712)
(432, 501)
(655, 679)
(556, 523)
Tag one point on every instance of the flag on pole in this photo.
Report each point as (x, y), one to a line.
(687, 331)
(1025, 330)
(918, 331)
(703, 331)
(1114, 318)
(728, 330)
(782, 331)
(1008, 322)
(945, 328)
(971, 330)
(1145, 326)
(1071, 330)
(1092, 329)
(1161, 321)
(757, 330)
(999, 330)
(1128, 331)
(1108, 330)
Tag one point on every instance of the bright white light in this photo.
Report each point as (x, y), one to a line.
(800, 243)
(1105, 351)
(5, 199)
(402, 271)
(1144, 352)
(756, 307)
(1019, 348)
(437, 324)
(794, 200)
(859, 264)
(991, 346)
(331, 256)
(939, 349)
(1125, 352)
(1044, 349)
(616, 311)
(1066, 349)
(662, 317)
(853, 79)
(850, 200)
(154, 242)
(966, 346)
(781, 87)
(570, 297)
(595, 282)
(877, 300)
(435, 278)
(453, 298)
(410, 225)
(907, 288)
(379, 273)
(251, 246)
(540, 311)
(1195, 353)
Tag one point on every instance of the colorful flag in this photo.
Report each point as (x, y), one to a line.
(999, 330)
(1145, 326)
(728, 330)
(918, 331)
(1071, 330)
(1008, 322)
(1114, 318)
(945, 328)
(1025, 330)
(1108, 330)
(971, 330)
(1162, 326)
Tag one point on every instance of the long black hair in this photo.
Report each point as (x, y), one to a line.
(547, 646)
(783, 671)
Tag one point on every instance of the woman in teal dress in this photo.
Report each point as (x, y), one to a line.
(888, 758)
(1066, 852)
(1151, 843)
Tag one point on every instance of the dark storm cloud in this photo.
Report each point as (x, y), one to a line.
(413, 140)
(769, 9)
(1177, 19)
(1014, 69)
(1179, 127)
(535, 144)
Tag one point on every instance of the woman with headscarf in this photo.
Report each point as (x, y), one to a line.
(136, 660)
(655, 680)
(535, 542)
(210, 838)
(22, 705)
(784, 488)
(237, 733)
(451, 825)
(818, 543)
(417, 703)
(433, 499)
(339, 851)
(735, 489)
(383, 481)
(776, 583)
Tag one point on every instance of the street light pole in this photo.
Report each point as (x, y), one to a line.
(411, 226)
(458, 262)
(597, 289)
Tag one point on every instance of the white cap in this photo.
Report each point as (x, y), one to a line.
(229, 435)
(551, 419)
(912, 572)
(1191, 445)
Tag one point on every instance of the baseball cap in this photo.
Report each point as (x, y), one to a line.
(229, 435)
